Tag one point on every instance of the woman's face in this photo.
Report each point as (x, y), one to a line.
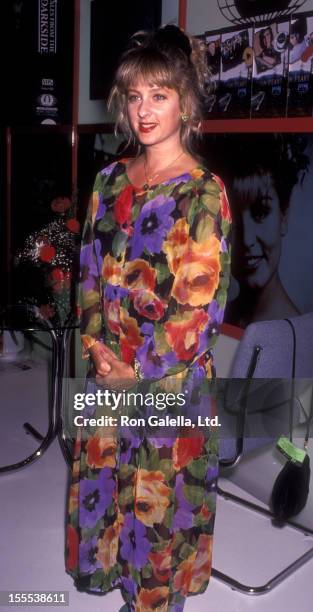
(294, 39)
(212, 48)
(258, 225)
(154, 112)
(268, 38)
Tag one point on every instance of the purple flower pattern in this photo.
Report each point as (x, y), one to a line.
(152, 225)
(151, 470)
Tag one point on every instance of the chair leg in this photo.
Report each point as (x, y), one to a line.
(277, 578)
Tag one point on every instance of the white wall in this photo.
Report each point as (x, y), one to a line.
(170, 11)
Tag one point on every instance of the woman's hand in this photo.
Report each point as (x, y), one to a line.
(111, 372)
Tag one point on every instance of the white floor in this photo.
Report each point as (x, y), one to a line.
(32, 514)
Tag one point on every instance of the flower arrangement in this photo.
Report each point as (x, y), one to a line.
(45, 264)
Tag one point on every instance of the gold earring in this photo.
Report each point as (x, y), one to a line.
(184, 117)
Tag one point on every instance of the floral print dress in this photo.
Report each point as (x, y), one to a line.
(155, 269)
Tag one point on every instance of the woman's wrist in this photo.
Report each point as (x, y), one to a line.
(88, 343)
(137, 370)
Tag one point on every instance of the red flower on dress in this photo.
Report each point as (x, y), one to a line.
(148, 304)
(127, 351)
(72, 548)
(73, 225)
(47, 253)
(123, 205)
(186, 449)
(225, 208)
(183, 333)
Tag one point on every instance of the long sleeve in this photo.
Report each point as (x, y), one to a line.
(191, 285)
(91, 327)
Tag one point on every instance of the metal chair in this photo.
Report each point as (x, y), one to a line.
(264, 355)
(27, 318)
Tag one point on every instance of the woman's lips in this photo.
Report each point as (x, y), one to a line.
(252, 262)
(146, 127)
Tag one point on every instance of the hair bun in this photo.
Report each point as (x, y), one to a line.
(172, 36)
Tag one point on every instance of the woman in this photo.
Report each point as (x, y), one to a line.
(297, 37)
(260, 183)
(269, 57)
(154, 275)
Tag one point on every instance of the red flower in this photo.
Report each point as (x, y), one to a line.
(72, 548)
(225, 208)
(47, 311)
(123, 205)
(127, 351)
(73, 225)
(148, 304)
(47, 253)
(186, 449)
(57, 275)
(67, 279)
(183, 333)
(61, 204)
(59, 280)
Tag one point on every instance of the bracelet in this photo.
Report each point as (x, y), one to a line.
(137, 370)
(88, 342)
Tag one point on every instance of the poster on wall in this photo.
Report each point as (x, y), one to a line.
(40, 36)
(270, 70)
(269, 182)
(300, 80)
(212, 46)
(236, 73)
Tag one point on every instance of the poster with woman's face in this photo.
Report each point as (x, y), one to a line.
(269, 181)
(270, 70)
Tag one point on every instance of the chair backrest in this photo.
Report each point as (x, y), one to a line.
(276, 340)
(270, 391)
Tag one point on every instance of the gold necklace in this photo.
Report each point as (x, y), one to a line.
(151, 178)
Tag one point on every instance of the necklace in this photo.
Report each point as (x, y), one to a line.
(151, 178)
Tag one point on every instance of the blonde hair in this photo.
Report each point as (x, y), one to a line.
(167, 58)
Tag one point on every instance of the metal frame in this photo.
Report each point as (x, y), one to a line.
(229, 463)
(277, 578)
(59, 337)
(231, 12)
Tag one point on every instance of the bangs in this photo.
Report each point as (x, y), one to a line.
(145, 65)
(252, 187)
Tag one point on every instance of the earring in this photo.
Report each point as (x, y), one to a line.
(184, 117)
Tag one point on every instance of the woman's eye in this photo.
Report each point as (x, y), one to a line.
(159, 97)
(260, 211)
(132, 98)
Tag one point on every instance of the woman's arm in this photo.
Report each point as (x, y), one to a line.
(89, 281)
(197, 250)
(91, 322)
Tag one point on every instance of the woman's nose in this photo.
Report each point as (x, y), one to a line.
(143, 109)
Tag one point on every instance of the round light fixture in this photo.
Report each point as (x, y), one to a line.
(245, 12)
